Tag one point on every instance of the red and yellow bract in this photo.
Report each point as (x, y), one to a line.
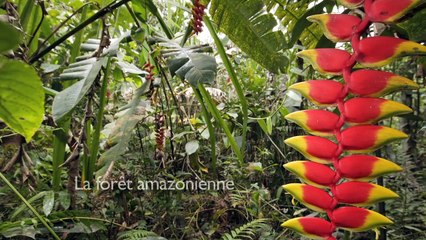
(326, 188)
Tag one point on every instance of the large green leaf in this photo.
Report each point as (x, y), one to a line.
(190, 63)
(21, 97)
(65, 101)
(251, 28)
(194, 67)
(9, 37)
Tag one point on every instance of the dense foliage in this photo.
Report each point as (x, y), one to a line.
(142, 91)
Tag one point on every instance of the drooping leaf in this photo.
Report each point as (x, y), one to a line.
(251, 28)
(9, 37)
(65, 101)
(130, 68)
(15, 230)
(21, 97)
(195, 67)
(189, 63)
(122, 132)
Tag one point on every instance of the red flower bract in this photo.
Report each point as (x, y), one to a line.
(365, 108)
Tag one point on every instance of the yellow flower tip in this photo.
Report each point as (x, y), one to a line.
(295, 141)
(302, 87)
(411, 48)
(291, 187)
(292, 165)
(291, 223)
(385, 192)
(378, 219)
(318, 18)
(307, 54)
(297, 117)
(403, 82)
(394, 108)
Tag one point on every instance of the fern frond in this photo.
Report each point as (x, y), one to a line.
(138, 235)
(246, 231)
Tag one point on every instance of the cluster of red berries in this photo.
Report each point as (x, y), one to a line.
(148, 67)
(197, 16)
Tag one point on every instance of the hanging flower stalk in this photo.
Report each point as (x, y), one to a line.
(197, 16)
(343, 189)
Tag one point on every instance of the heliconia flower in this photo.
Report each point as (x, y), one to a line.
(380, 51)
(314, 148)
(368, 138)
(351, 3)
(312, 197)
(362, 193)
(326, 60)
(388, 11)
(311, 227)
(316, 122)
(319, 92)
(371, 110)
(373, 83)
(312, 173)
(358, 219)
(336, 27)
(365, 167)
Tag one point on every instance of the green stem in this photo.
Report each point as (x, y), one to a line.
(94, 149)
(233, 76)
(59, 144)
(75, 51)
(216, 114)
(212, 136)
(29, 206)
(154, 10)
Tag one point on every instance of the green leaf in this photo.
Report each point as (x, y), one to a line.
(192, 147)
(122, 132)
(9, 37)
(23, 207)
(48, 202)
(65, 101)
(415, 25)
(195, 67)
(251, 28)
(21, 97)
(15, 231)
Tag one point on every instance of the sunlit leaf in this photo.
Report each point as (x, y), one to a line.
(21, 97)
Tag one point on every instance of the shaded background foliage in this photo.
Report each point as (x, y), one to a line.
(153, 121)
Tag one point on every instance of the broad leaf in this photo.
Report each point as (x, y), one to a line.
(195, 67)
(251, 28)
(189, 63)
(65, 101)
(9, 37)
(48, 202)
(21, 97)
(192, 147)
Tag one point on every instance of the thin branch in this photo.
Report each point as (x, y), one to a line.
(90, 20)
